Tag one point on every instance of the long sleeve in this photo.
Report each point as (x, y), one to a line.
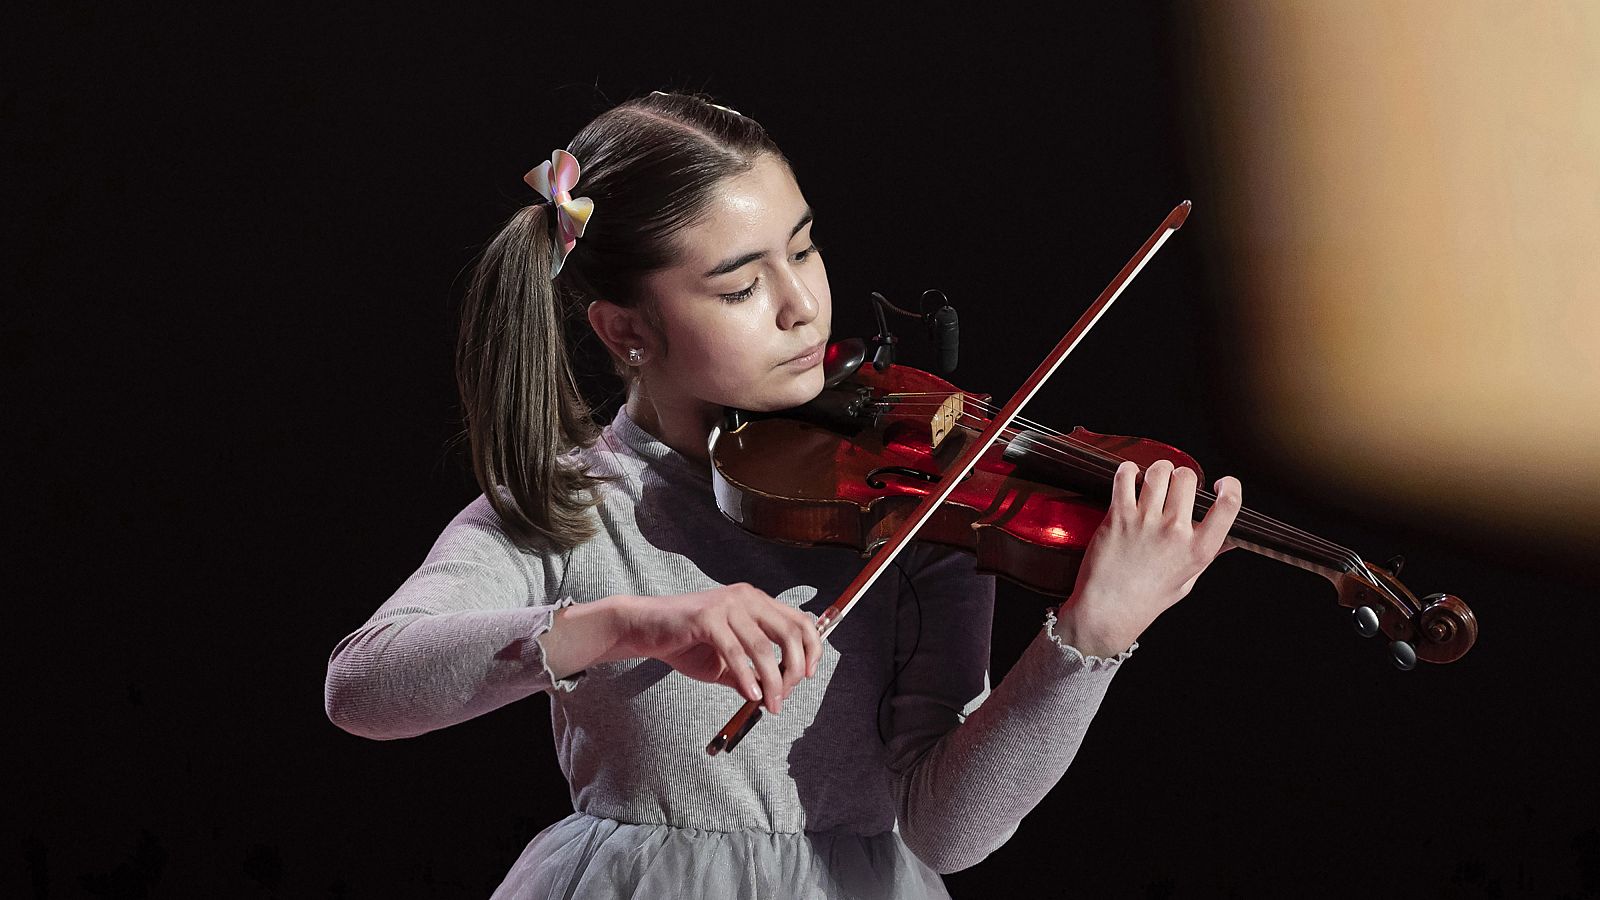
(459, 638)
(968, 762)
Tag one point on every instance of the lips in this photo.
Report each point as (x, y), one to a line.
(806, 352)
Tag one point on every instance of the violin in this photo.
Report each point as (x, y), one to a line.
(886, 452)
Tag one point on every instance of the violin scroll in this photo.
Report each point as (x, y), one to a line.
(1447, 628)
(1438, 628)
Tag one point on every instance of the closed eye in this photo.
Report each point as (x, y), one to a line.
(741, 296)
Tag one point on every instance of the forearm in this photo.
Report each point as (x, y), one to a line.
(964, 796)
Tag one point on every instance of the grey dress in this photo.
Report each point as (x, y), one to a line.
(885, 768)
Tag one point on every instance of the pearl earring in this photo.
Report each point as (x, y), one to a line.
(635, 356)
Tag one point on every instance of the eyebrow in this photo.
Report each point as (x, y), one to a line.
(729, 265)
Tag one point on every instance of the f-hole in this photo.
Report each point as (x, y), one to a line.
(878, 484)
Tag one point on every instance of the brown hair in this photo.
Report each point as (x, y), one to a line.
(650, 165)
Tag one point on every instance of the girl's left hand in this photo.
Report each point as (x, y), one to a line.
(1145, 556)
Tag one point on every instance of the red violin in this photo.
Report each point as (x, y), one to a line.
(847, 469)
(869, 462)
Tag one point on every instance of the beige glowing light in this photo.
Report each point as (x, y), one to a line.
(1409, 193)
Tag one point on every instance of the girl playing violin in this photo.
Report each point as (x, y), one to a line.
(597, 568)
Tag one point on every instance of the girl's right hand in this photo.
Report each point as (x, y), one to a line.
(726, 635)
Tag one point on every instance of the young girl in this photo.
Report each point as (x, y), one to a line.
(597, 568)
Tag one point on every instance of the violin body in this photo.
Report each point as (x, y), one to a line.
(848, 481)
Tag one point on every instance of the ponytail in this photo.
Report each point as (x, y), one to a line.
(519, 398)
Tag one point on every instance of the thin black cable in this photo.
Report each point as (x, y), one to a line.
(882, 738)
(880, 298)
(922, 302)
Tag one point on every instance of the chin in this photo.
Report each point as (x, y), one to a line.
(800, 390)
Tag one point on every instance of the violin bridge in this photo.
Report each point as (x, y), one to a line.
(944, 421)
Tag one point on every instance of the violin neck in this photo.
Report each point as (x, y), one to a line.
(1285, 543)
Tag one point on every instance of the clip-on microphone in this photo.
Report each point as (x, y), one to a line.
(942, 324)
(944, 329)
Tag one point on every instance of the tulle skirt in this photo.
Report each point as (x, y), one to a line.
(588, 858)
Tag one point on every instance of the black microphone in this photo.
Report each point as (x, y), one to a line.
(945, 329)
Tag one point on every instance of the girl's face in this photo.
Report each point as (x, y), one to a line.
(747, 296)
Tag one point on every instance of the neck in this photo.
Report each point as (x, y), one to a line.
(683, 425)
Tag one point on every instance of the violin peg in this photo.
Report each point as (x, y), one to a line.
(1403, 655)
(1366, 621)
(1394, 565)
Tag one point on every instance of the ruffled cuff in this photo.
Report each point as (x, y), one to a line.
(1093, 663)
(556, 684)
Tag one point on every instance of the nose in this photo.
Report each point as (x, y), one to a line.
(797, 305)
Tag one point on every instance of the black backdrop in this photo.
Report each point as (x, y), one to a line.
(233, 248)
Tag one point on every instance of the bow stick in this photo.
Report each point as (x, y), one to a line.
(749, 714)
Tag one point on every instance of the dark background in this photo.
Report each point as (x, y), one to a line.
(234, 245)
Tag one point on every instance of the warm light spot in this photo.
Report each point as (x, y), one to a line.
(1409, 198)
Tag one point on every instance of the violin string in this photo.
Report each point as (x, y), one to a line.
(1100, 454)
(1259, 521)
(1103, 463)
(1253, 524)
(1251, 517)
(1289, 534)
(1100, 463)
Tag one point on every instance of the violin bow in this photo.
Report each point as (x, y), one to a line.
(749, 714)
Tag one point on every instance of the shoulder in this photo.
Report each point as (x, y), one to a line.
(604, 458)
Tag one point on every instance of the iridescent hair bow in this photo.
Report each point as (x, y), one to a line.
(555, 180)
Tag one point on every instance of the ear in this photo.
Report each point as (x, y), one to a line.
(620, 329)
